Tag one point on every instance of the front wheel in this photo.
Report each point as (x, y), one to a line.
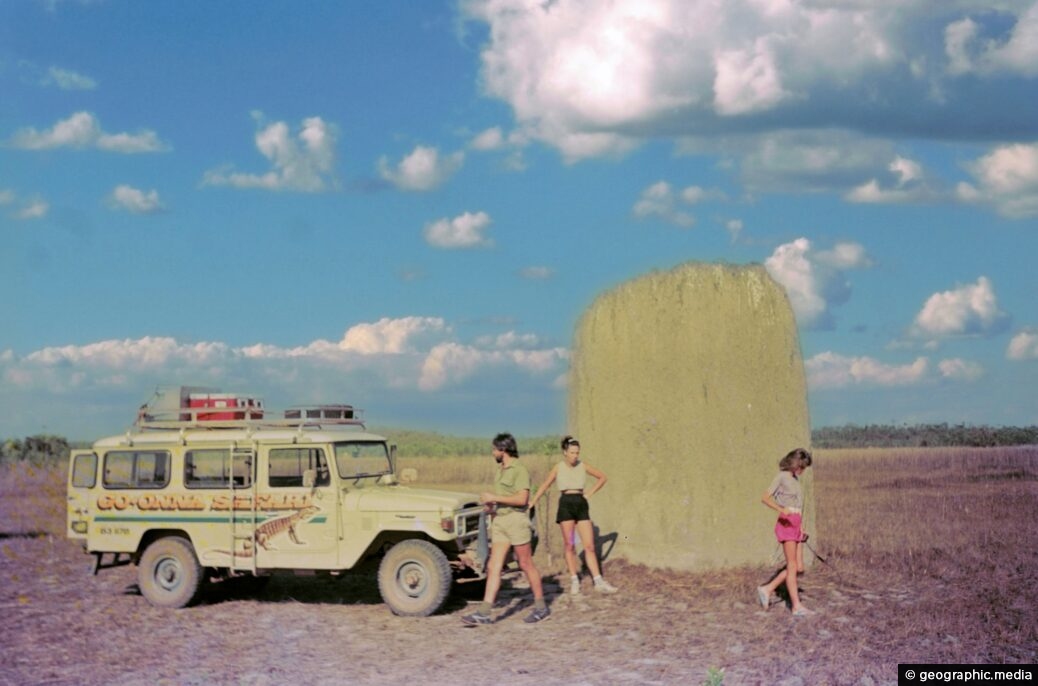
(414, 578)
(169, 574)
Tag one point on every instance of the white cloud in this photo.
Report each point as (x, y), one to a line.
(422, 170)
(815, 280)
(829, 370)
(593, 78)
(906, 183)
(1023, 346)
(408, 354)
(82, 130)
(393, 336)
(305, 162)
(133, 200)
(464, 231)
(34, 208)
(734, 227)
(537, 273)
(958, 369)
(7, 196)
(970, 310)
(660, 200)
(490, 139)
(1007, 179)
(68, 80)
(969, 52)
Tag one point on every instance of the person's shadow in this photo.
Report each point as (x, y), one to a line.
(604, 545)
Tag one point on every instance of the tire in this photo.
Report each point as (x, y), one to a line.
(414, 578)
(169, 574)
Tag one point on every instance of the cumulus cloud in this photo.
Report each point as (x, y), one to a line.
(970, 51)
(422, 170)
(31, 208)
(304, 162)
(393, 336)
(596, 79)
(829, 370)
(464, 231)
(130, 199)
(662, 201)
(969, 310)
(408, 353)
(1007, 179)
(1023, 346)
(82, 130)
(68, 80)
(957, 369)
(815, 280)
(906, 183)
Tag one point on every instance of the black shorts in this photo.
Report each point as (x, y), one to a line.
(572, 508)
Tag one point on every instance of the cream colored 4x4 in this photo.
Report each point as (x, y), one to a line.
(194, 494)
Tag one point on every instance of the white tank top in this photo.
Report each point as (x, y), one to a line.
(571, 478)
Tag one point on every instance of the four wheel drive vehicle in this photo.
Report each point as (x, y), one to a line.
(189, 494)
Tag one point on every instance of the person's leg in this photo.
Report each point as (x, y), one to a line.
(572, 563)
(498, 553)
(587, 538)
(524, 556)
(790, 550)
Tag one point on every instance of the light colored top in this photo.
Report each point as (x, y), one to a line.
(509, 481)
(787, 491)
(571, 478)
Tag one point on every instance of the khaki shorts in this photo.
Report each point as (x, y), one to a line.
(511, 527)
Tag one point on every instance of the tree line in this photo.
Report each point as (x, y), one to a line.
(46, 449)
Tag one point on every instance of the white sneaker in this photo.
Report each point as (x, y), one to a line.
(604, 586)
(574, 586)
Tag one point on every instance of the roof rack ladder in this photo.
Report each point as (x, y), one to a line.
(243, 522)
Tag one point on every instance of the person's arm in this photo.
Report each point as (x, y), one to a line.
(770, 502)
(595, 474)
(515, 500)
(548, 481)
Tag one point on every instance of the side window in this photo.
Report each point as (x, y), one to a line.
(208, 468)
(136, 469)
(286, 467)
(84, 471)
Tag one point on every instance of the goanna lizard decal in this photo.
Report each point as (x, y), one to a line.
(275, 527)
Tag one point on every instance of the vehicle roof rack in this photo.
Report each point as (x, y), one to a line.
(247, 417)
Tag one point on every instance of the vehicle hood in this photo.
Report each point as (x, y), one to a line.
(407, 499)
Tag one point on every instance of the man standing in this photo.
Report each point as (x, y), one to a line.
(510, 529)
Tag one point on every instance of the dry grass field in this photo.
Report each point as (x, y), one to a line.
(932, 557)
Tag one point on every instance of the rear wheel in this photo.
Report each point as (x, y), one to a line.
(414, 578)
(169, 574)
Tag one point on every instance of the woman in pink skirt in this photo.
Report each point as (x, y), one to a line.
(786, 496)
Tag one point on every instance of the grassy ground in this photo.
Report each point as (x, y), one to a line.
(932, 555)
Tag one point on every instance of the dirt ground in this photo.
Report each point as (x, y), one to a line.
(60, 625)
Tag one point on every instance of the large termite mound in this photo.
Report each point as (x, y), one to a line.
(687, 387)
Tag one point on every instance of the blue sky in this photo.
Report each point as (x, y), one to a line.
(407, 206)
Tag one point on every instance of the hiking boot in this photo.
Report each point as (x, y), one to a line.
(604, 586)
(476, 619)
(538, 615)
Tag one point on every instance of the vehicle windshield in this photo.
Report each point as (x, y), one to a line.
(362, 458)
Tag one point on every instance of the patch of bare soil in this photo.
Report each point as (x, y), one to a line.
(60, 625)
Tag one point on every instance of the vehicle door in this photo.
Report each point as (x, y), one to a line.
(296, 525)
(82, 477)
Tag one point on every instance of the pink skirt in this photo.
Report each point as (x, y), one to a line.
(787, 528)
